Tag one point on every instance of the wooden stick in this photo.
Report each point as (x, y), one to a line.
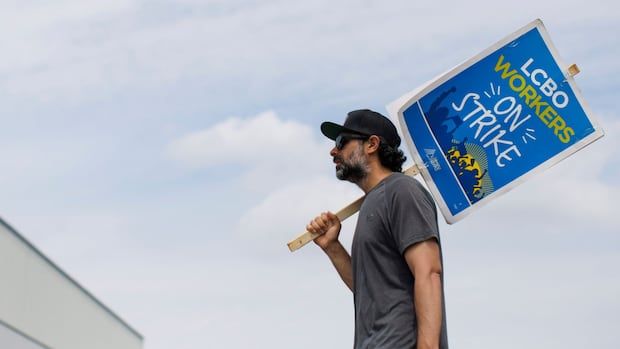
(573, 70)
(343, 214)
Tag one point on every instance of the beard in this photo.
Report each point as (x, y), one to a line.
(354, 168)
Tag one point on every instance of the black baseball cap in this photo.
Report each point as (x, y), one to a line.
(365, 122)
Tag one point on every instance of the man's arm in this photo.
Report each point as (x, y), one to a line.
(424, 262)
(328, 225)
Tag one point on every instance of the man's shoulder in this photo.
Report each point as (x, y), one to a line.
(403, 186)
(398, 180)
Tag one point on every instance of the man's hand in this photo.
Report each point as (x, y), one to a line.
(327, 225)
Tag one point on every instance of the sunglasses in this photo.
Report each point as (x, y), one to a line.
(343, 139)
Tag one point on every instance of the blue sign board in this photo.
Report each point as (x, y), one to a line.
(493, 121)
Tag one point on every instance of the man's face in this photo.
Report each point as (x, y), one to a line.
(350, 159)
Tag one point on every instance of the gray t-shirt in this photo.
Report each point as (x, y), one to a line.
(397, 213)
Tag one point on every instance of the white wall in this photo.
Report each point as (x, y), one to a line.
(10, 338)
(39, 300)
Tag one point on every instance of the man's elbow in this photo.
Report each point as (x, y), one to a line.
(436, 271)
(432, 274)
(429, 270)
(424, 260)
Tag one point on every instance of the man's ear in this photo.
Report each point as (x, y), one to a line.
(372, 145)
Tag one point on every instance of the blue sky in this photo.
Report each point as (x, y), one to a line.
(163, 153)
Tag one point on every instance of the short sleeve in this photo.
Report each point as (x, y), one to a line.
(412, 213)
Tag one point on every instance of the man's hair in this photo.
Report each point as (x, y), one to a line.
(391, 157)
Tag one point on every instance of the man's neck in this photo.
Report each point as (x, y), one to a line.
(374, 177)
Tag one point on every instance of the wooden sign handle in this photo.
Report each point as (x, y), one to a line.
(343, 214)
(573, 70)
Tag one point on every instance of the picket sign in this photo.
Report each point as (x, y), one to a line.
(487, 125)
(494, 121)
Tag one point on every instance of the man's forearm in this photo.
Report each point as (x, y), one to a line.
(342, 262)
(428, 307)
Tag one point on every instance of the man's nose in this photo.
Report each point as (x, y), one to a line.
(334, 151)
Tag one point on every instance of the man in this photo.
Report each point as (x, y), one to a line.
(395, 266)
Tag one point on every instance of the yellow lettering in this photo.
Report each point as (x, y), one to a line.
(511, 82)
(537, 104)
(566, 135)
(547, 115)
(528, 94)
(504, 66)
(557, 124)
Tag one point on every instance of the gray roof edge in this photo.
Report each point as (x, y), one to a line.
(24, 335)
(68, 277)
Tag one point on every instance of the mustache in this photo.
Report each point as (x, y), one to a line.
(337, 159)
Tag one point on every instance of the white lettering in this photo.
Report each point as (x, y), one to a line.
(554, 99)
(475, 96)
(487, 126)
(548, 87)
(537, 72)
(525, 65)
(486, 119)
(505, 155)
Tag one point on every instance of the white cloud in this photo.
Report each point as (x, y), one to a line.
(251, 141)
(492, 296)
(272, 152)
(70, 49)
(38, 44)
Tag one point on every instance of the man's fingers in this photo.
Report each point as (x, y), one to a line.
(332, 217)
(321, 223)
(317, 227)
(325, 220)
(313, 227)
